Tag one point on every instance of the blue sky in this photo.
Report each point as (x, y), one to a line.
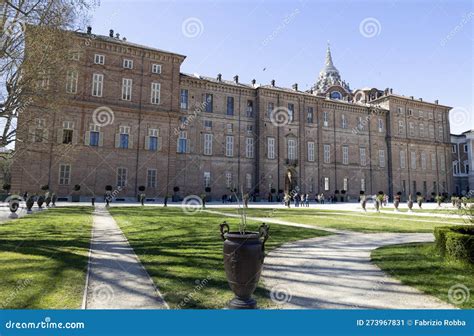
(419, 48)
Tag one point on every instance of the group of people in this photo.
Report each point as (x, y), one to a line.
(298, 199)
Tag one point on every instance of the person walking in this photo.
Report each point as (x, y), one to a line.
(306, 200)
(296, 199)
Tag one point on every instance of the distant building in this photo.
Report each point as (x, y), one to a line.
(462, 159)
(168, 130)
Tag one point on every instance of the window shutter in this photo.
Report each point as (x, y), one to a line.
(74, 137)
(87, 138)
(60, 136)
(130, 141)
(117, 140)
(147, 142)
(101, 139)
(160, 139)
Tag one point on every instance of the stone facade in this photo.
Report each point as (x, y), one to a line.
(192, 132)
(462, 159)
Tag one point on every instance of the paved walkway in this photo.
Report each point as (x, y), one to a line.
(116, 278)
(336, 272)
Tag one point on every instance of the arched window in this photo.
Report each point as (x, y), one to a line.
(336, 95)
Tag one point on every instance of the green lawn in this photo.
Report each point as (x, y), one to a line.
(43, 259)
(420, 266)
(183, 253)
(351, 220)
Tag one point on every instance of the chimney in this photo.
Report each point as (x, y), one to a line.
(436, 102)
(124, 39)
(111, 33)
(311, 91)
(253, 82)
(391, 91)
(236, 78)
(273, 82)
(411, 97)
(89, 30)
(295, 86)
(117, 36)
(421, 99)
(219, 77)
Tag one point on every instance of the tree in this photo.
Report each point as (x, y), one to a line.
(34, 56)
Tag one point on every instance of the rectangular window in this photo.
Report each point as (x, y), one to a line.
(71, 81)
(401, 127)
(99, 59)
(270, 108)
(309, 115)
(228, 179)
(249, 129)
(229, 128)
(455, 168)
(380, 125)
(153, 143)
(67, 136)
(421, 114)
(151, 178)
(97, 84)
(363, 156)
(413, 160)
(156, 68)
(465, 148)
(128, 64)
(94, 138)
(64, 174)
(454, 148)
(124, 140)
(440, 132)
(208, 102)
(360, 124)
(229, 146)
(423, 160)
(184, 99)
(345, 184)
(381, 158)
(207, 144)
(362, 184)
(207, 179)
(326, 183)
(230, 106)
(403, 159)
(126, 89)
(155, 93)
(291, 149)
(208, 124)
(248, 178)
(343, 121)
(249, 150)
(182, 142)
(249, 110)
(345, 155)
(433, 161)
(327, 153)
(442, 163)
(412, 129)
(431, 131)
(325, 119)
(422, 130)
(271, 148)
(311, 151)
(121, 177)
(291, 112)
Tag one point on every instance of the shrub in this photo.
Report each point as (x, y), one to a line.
(45, 187)
(455, 243)
(6, 187)
(207, 189)
(108, 188)
(77, 187)
(141, 188)
(272, 190)
(176, 189)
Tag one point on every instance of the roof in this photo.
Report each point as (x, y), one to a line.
(409, 98)
(125, 43)
(215, 80)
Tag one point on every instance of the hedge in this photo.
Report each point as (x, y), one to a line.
(455, 243)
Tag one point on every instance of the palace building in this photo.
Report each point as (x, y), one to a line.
(134, 119)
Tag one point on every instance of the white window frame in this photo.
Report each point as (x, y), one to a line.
(122, 176)
(380, 125)
(345, 155)
(151, 178)
(127, 84)
(156, 68)
(229, 145)
(127, 63)
(326, 184)
(99, 59)
(382, 158)
(228, 179)
(155, 93)
(310, 151)
(71, 81)
(207, 179)
(403, 159)
(413, 159)
(292, 155)
(363, 156)
(97, 85)
(325, 119)
(248, 179)
(271, 148)
(327, 153)
(64, 174)
(249, 148)
(207, 144)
